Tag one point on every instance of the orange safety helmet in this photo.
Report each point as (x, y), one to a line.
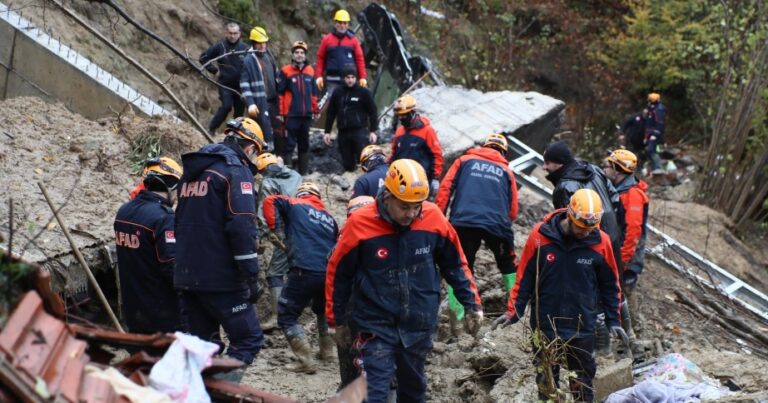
(300, 45)
(654, 97)
(624, 159)
(265, 160)
(247, 129)
(370, 151)
(585, 209)
(407, 181)
(497, 141)
(307, 189)
(405, 105)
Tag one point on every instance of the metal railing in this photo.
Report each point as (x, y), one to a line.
(692, 265)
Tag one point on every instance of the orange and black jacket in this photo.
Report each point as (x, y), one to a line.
(310, 230)
(419, 142)
(146, 241)
(569, 273)
(297, 90)
(481, 191)
(390, 275)
(634, 198)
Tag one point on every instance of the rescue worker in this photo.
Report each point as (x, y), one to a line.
(481, 192)
(277, 180)
(620, 168)
(416, 139)
(655, 124)
(357, 202)
(337, 49)
(269, 69)
(633, 130)
(566, 261)
(217, 261)
(145, 240)
(229, 69)
(298, 103)
(253, 82)
(569, 175)
(386, 270)
(310, 234)
(374, 164)
(356, 116)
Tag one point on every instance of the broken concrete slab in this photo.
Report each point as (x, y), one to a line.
(612, 377)
(463, 117)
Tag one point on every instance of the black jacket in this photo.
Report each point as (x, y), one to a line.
(230, 66)
(352, 108)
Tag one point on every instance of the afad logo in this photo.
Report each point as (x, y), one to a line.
(550, 257)
(382, 253)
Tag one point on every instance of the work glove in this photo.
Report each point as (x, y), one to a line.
(253, 111)
(618, 332)
(472, 321)
(363, 83)
(434, 186)
(372, 137)
(630, 280)
(505, 320)
(341, 335)
(255, 289)
(320, 83)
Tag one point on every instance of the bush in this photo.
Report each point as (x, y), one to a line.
(239, 10)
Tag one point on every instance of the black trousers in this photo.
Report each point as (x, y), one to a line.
(503, 249)
(229, 100)
(351, 143)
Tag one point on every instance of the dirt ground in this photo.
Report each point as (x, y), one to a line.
(87, 164)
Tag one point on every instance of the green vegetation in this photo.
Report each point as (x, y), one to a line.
(239, 10)
(706, 58)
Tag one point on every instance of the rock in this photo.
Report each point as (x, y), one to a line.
(612, 377)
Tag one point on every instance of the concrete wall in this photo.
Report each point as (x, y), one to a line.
(35, 64)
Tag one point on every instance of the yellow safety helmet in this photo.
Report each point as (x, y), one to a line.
(358, 202)
(300, 45)
(163, 171)
(654, 97)
(407, 181)
(370, 151)
(308, 188)
(341, 16)
(497, 141)
(585, 209)
(265, 160)
(405, 105)
(247, 129)
(626, 160)
(259, 34)
(162, 166)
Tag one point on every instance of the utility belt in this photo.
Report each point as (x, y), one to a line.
(333, 78)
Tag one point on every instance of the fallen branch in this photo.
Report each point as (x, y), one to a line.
(744, 334)
(81, 260)
(138, 65)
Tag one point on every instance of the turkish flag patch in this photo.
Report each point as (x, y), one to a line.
(170, 237)
(382, 253)
(550, 257)
(246, 188)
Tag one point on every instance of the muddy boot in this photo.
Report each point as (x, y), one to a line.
(326, 342)
(626, 320)
(304, 163)
(270, 323)
(303, 353)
